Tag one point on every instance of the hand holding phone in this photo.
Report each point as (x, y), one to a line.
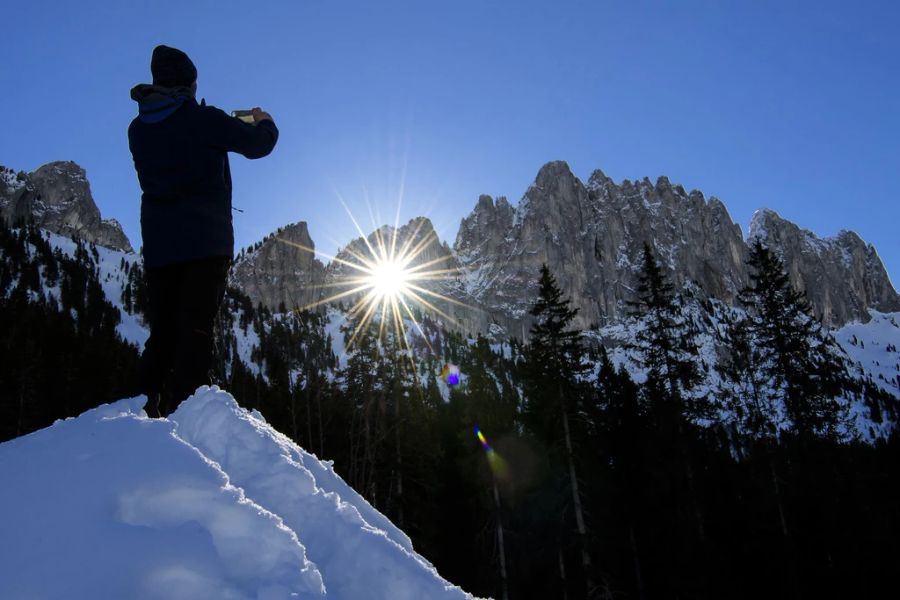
(252, 116)
(260, 115)
(244, 115)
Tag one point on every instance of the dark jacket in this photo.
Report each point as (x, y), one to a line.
(180, 150)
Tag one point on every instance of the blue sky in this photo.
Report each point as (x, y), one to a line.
(787, 105)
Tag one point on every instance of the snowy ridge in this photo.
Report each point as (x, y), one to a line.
(211, 503)
(870, 350)
(873, 348)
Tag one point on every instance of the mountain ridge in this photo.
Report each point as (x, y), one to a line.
(590, 234)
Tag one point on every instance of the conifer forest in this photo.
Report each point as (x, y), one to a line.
(588, 481)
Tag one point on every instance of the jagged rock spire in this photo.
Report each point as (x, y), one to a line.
(57, 197)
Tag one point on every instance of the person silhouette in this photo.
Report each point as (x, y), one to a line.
(180, 149)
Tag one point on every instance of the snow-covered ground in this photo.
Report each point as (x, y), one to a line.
(873, 346)
(209, 503)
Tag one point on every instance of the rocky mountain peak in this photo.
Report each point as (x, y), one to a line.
(61, 168)
(415, 237)
(57, 197)
(554, 185)
(282, 270)
(488, 224)
(554, 174)
(842, 276)
(760, 223)
(485, 202)
(555, 196)
(592, 237)
(418, 242)
(599, 178)
(295, 233)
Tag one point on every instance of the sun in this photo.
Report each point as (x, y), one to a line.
(390, 279)
(384, 280)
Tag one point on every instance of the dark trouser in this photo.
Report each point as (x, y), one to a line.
(183, 301)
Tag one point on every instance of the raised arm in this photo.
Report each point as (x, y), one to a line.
(233, 135)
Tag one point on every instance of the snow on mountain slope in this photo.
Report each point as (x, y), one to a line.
(873, 346)
(112, 504)
(108, 264)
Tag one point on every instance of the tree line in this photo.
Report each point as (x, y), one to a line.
(60, 352)
(595, 482)
(599, 485)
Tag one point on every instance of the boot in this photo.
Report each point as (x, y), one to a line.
(155, 407)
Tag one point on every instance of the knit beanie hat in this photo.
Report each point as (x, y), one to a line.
(172, 67)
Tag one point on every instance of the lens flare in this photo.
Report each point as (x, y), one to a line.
(498, 466)
(450, 374)
(482, 439)
(384, 279)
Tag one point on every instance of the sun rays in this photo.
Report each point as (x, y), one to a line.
(386, 277)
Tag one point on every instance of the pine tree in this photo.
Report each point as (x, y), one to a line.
(747, 398)
(666, 349)
(360, 378)
(665, 345)
(799, 359)
(799, 367)
(617, 440)
(554, 360)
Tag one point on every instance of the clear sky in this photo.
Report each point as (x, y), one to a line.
(793, 106)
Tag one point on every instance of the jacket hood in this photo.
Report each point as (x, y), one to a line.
(156, 102)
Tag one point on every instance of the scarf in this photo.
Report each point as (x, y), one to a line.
(156, 102)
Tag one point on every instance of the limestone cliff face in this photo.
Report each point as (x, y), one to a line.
(591, 237)
(842, 276)
(282, 270)
(57, 197)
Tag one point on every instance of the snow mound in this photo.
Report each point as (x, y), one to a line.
(210, 503)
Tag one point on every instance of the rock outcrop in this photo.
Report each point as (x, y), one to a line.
(591, 237)
(842, 275)
(282, 270)
(57, 197)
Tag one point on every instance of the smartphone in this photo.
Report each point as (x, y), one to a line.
(244, 115)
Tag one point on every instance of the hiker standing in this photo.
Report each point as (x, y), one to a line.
(180, 149)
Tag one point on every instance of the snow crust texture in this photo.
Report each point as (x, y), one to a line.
(211, 503)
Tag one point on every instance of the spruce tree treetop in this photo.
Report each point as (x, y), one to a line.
(665, 345)
(555, 349)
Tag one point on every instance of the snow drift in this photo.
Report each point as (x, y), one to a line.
(209, 503)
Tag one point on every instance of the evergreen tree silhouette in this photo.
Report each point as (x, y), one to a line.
(666, 349)
(799, 358)
(554, 360)
(665, 344)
